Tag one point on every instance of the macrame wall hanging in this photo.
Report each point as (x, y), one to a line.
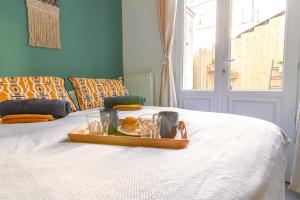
(43, 22)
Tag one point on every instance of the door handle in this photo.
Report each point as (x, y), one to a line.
(223, 71)
(228, 61)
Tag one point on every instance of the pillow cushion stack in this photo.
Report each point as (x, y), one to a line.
(90, 92)
(34, 87)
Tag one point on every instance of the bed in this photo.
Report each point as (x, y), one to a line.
(228, 157)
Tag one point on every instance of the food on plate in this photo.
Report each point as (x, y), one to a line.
(130, 124)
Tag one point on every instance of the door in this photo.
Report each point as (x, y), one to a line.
(240, 57)
(195, 39)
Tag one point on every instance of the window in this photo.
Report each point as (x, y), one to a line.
(200, 34)
(256, 45)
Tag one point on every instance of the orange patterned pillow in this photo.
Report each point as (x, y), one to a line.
(33, 87)
(90, 92)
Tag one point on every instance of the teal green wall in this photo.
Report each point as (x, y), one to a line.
(91, 35)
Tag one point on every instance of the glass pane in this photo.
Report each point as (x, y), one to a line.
(200, 34)
(257, 43)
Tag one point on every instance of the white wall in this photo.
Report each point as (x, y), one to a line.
(142, 50)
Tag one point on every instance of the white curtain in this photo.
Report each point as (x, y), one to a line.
(167, 15)
(295, 179)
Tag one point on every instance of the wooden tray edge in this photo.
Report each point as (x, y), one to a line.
(130, 141)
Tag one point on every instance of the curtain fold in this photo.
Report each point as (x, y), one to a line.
(167, 16)
(295, 178)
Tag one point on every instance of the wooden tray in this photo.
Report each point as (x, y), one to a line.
(80, 135)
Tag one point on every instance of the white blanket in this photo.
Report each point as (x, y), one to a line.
(229, 157)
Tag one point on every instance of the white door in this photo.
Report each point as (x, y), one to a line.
(244, 58)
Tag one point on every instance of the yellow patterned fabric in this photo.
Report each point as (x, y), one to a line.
(33, 87)
(90, 92)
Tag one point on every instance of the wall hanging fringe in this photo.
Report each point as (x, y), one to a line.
(44, 24)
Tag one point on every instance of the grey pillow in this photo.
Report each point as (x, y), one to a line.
(73, 97)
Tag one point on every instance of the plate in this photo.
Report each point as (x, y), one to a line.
(131, 133)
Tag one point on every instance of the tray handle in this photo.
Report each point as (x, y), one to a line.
(182, 129)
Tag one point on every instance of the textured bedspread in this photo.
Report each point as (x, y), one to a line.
(229, 157)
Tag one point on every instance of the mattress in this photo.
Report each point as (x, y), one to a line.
(228, 157)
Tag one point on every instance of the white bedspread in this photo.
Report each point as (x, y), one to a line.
(229, 157)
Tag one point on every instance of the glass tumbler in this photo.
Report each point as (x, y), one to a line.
(104, 123)
(97, 123)
(93, 120)
(150, 125)
(113, 120)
